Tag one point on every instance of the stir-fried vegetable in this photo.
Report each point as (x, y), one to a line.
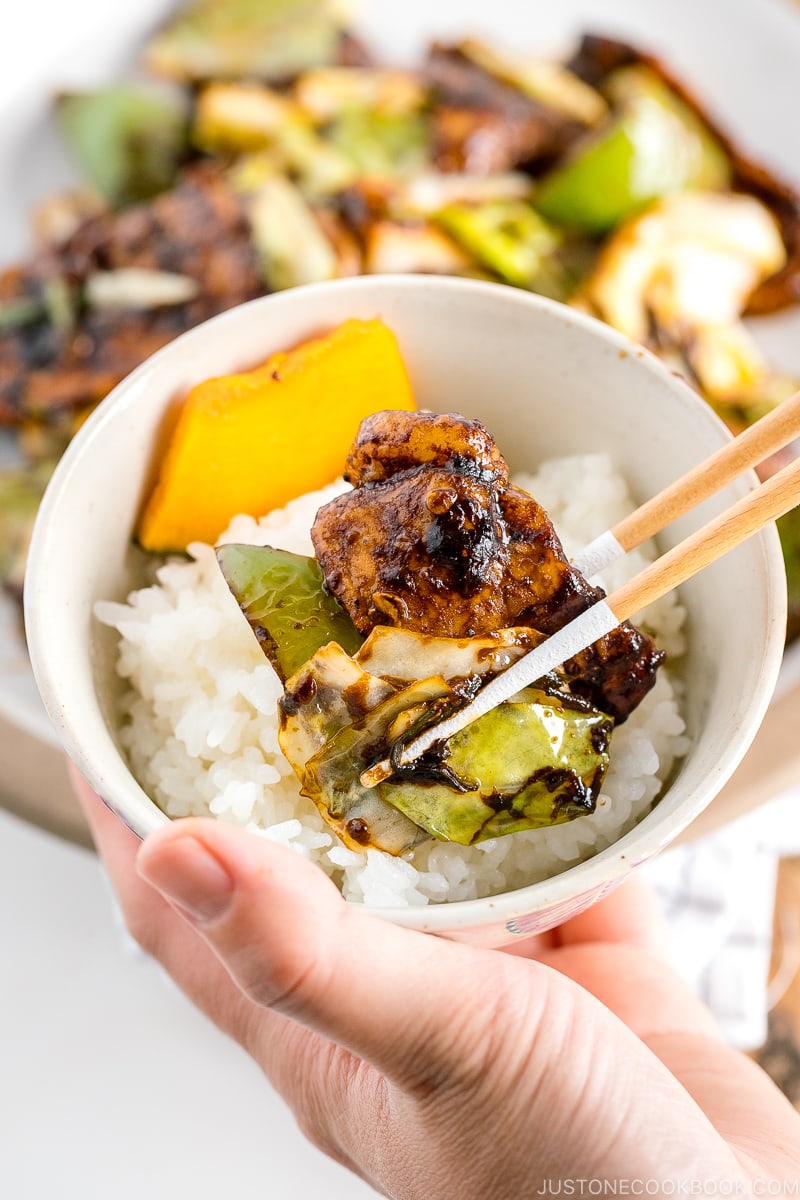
(508, 236)
(236, 119)
(280, 153)
(382, 144)
(530, 763)
(393, 247)
(291, 244)
(536, 761)
(533, 762)
(136, 288)
(789, 530)
(652, 146)
(128, 140)
(679, 278)
(284, 599)
(363, 816)
(688, 261)
(21, 492)
(234, 39)
(329, 92)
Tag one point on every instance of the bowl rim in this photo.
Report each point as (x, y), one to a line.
(604, 869)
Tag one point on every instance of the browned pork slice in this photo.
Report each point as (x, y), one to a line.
(433, 539)
(69, 354)
(390, 442)
(482, 125)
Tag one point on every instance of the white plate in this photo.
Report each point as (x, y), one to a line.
(741, 57)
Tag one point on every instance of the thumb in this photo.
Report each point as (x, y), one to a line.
(477, 1030)
(292, 944)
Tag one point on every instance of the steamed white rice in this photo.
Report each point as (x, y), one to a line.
(200, 712)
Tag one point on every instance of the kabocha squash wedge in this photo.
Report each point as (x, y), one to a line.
(241, 442)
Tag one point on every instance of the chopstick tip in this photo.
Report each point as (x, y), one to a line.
(376, 774)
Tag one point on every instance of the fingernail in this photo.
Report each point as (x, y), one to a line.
(190, 876)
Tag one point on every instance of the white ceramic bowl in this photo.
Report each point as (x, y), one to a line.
(546, 381)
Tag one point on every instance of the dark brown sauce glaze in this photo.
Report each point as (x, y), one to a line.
(600, 736)
(430, 768)
(447, 547)
(359, 831)
(572, 793)
(356, 698)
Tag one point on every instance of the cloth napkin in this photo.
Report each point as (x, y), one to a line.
(718, 895)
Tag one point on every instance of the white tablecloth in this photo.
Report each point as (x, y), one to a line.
(111, 1084)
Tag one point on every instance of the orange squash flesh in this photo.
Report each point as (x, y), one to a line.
(248, 443)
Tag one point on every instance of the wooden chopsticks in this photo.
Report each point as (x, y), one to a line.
(721, 534)
(748, 449)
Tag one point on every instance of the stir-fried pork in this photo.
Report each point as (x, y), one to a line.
(483, 125)
(434, 539)
(198, 231)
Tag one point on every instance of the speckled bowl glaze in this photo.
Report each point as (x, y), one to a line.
(546, 381)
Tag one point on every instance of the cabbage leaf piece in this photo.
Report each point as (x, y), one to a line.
(322, 700)
(536, 761)
(530, 763)
(284, 599)
(366, 816)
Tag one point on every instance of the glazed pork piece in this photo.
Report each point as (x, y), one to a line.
(390, 442)
(434, 539)
(70, 356)
(482, 125)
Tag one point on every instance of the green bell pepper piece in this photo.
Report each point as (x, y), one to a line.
(530, 763)
(653, 146)
(284, 599)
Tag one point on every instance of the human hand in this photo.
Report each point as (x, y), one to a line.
(435, 1070)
